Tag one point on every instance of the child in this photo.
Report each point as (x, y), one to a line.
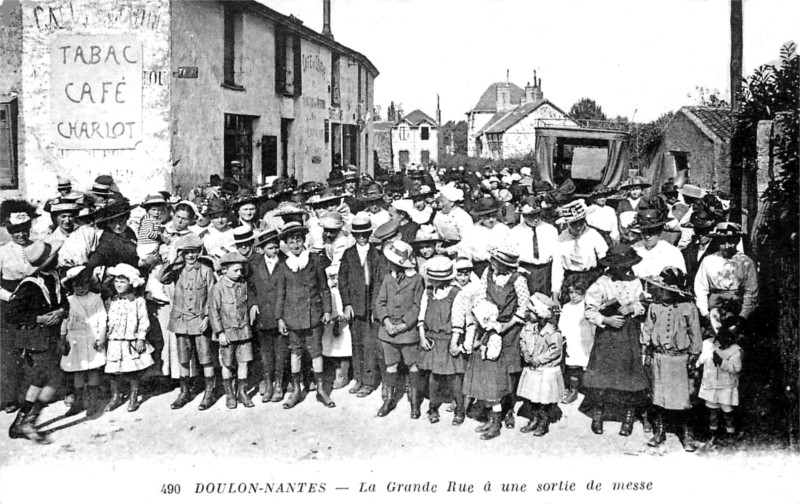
(425, 243)
(150, 227)
(189, 318)
(229, 321)
(441, 357)
(578, 334)
(302, 307)
(128, 351)
(84, 334)
(671, 341)
(262, 288)
(721, 359)
(541, 381)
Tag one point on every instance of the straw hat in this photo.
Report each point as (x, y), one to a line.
(726, 230)
(39, 254)
(692, 191)
(127, 271)
(426, 234)
(291, 228)
(572, 212)
(404, 205)
(325, 196)
(506, 254)
(399, 253)
(71, 274)
(504, 195)
(463, 263)
(267, 236)
(332, 220)
(370, 192)
(542, 306)
(649, 218)
(153, 199)
(636, 181)
(620, 255)
(361, 223)
(242, 235)
(671, 279)
(439, 268)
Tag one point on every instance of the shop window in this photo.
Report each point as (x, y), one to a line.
(232, 49)
(9, 174)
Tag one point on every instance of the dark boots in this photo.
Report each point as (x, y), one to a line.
(77, 404)
(185, 395)
(277, 394)
(133, 401)
(230, 396)
(689, 444)
(322, 395)
(659, 430)
(389, 383)
(116, 396)
(267, 390)
(597, 419)
(415, 393)
(92, 401)
(494, 427)
(627, 423)
(24, 425)
(208, 393)
(542, 427)
(461, 410)
(294, 397)
(533, 423)
(241, 393)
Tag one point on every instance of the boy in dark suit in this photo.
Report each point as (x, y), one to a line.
(263, 290)
(302, 307)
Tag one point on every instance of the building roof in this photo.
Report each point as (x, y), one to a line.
(516, 115)
(714, 122)
(378, 126)
(418, 117)
(296, 25)
(488, 101)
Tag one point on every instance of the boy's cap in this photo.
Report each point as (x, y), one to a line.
(232, 258)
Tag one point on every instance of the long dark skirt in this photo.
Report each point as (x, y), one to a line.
(10, 362)
(615, 375)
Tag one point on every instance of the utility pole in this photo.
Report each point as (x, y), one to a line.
(737, 151)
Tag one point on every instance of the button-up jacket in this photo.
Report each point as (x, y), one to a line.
(228, 311)
(355, 292)
(302, 296)
(263, 287)
(193, 283)
(400, 302)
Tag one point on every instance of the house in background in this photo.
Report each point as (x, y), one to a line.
(695, 148)
(499, 98)
(415, 139)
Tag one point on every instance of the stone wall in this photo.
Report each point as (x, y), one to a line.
(707, 165)
(382, 132)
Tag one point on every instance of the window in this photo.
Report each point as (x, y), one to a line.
(403, 132)
(336, 98)
(9, 175)
(681, 163)
(288, 64)
(327, 131)
(424, 133)
(238, 147)
(232, 49)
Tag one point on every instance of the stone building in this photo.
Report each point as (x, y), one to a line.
(164, 93)
(415, 139)
(499, 98)
(382, 131)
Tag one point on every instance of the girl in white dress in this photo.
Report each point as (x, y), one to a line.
(84, 334)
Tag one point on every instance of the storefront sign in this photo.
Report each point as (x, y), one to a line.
(96, 92)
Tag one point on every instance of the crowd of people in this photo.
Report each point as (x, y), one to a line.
(496, 295)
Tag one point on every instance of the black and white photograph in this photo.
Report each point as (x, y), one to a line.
(399, 251)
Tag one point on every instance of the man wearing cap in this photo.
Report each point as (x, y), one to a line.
(726, 274)
(535, 241)
(656, 253)
(37, 309)
(487, 232)
(578, 249)
(370, 199)
(63, 213)
(701, 244)
(358, 288)
(302, 308)
(451, 221)
(350, 187)
(104, 188)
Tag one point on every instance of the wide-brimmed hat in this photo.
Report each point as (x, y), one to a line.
(692, 191)
(113, 209)
(396, 183)
(242, 235)
(485, 206)
(267, 236)
(602, 191)
(63, 205)
(671, 279)
(127, 271)
(451, 192)
(243, 197)
(153, 199)
(310, 188)
(71, 274)
(326, 196)
(103, 185)
(403, 205)
(289, 208)
(399, 253)
(385, 231)
(361, 223)
(427, 234)
(532, 205)
(701, 221)
(636, 181)
(439, 268)
(232, 258)
(541, 186)
(351, 175)
(332, 220)
(669, 187)
(649, 218)
(216, 207)
(336, 178)
(64, 184)
(188, 242)
(291, 228)
(370, 192)
(541, 305)
(17, 214)
(504, 195)
(507, 254)
(620, 255)
(726, 230)
(424, 191)
(572, 212)
(39, 254)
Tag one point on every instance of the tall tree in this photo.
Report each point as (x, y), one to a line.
(391, 113)
(587, 109)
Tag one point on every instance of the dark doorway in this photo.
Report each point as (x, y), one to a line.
(269, 156)
(238, 145)
(286, 137)
(425, 158)
(336, 145)
(403, 159)
(350, 154)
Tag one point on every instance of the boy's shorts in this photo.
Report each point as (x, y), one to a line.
(308, 339)
(393, 353)
(238, 352)
(43, 368)
(187, 343)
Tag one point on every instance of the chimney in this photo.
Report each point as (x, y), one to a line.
(530, 90)
(438, 111)
(537, 89)
(326, 18)
(503, 102)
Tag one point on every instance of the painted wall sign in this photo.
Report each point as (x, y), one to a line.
(96, 91)
(187, 72)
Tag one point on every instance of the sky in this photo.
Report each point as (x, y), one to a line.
(632, 57)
